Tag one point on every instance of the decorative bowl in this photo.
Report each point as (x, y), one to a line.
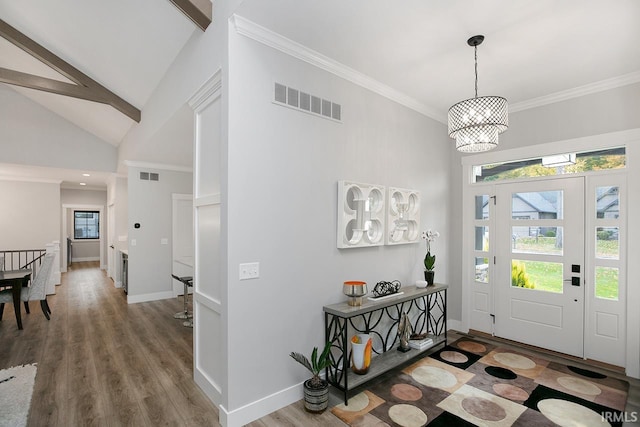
(355, 290)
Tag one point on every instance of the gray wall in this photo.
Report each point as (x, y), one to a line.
(599, 113)
(30, 216)
(84, 250)
(33, 135)
(150, 205)
(283, 168)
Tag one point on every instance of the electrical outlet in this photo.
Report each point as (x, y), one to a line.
(249, 271)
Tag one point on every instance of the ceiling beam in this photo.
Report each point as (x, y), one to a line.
(18, 78)
(93, 91)
(199, 11)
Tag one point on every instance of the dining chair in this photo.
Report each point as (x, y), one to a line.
(36, 291)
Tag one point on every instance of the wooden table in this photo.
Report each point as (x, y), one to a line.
(15, 279)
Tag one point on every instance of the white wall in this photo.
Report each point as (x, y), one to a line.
(30, 217)
(283, 168)
(150, 205)
(33, 135)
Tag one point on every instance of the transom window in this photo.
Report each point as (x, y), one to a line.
(559, 164)
(86, 225)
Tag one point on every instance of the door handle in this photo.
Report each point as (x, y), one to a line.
(575, 281)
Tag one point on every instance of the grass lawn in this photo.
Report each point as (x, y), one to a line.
(547, 276)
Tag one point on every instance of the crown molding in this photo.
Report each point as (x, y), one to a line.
(29, 179)
(577, 92)
(147, 165)
(272, 39)
(208, 92)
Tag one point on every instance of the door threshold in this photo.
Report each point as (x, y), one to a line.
(589, 362)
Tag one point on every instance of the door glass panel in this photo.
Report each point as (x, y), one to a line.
(607, 243)
(482, 270)
(607, 202)
(537, 275)
(537, 240)
(607, 282)
(482, 207)
(482, 239)
(537, 205)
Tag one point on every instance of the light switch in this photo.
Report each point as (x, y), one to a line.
(133, 242)
(249, 271)
(164, 241)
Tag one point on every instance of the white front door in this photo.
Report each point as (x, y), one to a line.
(540, 263)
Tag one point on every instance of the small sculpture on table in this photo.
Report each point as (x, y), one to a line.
(383, 289)
(404, 333)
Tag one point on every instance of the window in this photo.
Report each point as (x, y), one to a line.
(561, 164)
(86, 225)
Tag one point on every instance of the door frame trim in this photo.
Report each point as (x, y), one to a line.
(631, 140)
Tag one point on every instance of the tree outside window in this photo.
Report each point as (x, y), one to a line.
(86, 225)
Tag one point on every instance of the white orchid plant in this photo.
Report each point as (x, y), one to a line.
(429, 260)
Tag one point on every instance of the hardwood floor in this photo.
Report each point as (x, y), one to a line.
(105, 363)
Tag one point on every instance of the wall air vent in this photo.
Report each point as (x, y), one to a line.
(302, 101)
(149, 176)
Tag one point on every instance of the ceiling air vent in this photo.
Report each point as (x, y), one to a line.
(302, 101)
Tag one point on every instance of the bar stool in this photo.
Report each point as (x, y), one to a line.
(187, 281)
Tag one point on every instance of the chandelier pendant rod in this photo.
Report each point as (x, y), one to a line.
(475, 57)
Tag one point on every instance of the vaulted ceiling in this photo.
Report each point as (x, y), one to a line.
(535, 52)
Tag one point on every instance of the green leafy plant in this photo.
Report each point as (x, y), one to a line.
(429, 261)
(519, 276)
(316, 364)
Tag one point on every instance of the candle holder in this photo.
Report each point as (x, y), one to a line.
(355, 290)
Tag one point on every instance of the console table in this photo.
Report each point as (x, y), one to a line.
(426, 308)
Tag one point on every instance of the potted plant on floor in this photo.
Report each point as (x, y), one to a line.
(316, 390)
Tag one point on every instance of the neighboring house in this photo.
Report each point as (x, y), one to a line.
(608, 203)
(533, 206)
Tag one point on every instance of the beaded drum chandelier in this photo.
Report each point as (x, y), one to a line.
(476, 123)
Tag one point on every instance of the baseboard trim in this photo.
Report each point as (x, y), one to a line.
(134, 299)
(85, 259)
(260, 408)
(454, 324)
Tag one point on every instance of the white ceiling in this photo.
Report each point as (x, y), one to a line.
(532, 49)
(125, 45)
